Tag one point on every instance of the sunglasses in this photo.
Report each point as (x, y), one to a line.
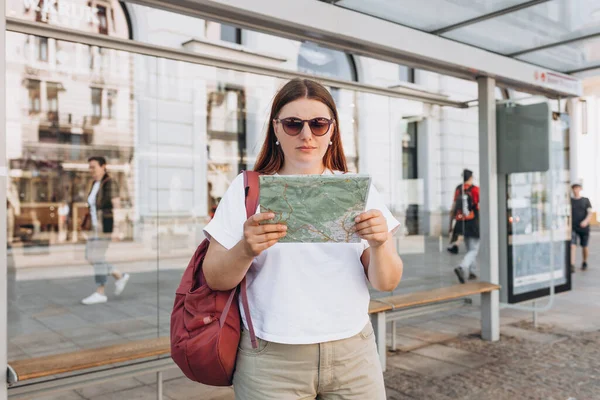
(293, 126)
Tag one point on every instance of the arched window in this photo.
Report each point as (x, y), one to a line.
(316, 60)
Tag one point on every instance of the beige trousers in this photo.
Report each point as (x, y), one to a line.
(345, 369)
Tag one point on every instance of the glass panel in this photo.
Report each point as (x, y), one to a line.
(194, 128)
(175, 135)
(545, 23)
(59, 250)
(420, 16)
(569, 57)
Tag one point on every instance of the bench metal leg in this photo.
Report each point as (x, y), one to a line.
(378, 321)
(159, 385)
(394, 336)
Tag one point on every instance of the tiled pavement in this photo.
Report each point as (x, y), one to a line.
(439, 356)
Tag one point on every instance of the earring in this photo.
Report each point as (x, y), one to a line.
(330, 143)
(277, 143)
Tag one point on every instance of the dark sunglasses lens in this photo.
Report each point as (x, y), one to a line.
(291, 126)
(319, 126)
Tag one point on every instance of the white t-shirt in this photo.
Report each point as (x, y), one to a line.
(300, 293)
(92, 203)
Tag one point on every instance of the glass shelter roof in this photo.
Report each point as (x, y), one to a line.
(563, 35)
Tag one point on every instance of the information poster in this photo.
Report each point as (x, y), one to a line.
(539, 224)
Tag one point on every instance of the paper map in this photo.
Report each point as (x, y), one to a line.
(316, 208)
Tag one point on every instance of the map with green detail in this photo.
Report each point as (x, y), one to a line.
(315, 208)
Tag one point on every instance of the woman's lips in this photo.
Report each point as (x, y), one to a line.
(306, 148)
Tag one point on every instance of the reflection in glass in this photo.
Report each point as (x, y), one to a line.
(51, 262)
(174, 136)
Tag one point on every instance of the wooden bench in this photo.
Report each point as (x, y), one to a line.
(151, 355)
(381, 308)
(135, 354)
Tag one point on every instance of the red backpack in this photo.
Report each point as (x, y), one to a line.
(205, 323)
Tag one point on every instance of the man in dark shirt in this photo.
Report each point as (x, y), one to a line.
(581, 215)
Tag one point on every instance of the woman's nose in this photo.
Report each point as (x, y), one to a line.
(305, 133)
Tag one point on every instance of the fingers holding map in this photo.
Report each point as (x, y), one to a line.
(315, 208)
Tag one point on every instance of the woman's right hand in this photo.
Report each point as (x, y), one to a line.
(258, 238)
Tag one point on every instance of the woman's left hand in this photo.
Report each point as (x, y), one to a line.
(372, 226)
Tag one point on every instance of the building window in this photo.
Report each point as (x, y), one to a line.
(410, 172)
(33, 86)
(111, 96)
(96, 105)
(406, 74)
(409, 152)
(52, 98)
(231, 34)
(102, 20)
(42, 45)
(316, 60)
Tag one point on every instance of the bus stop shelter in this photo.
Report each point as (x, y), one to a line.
(473, 43)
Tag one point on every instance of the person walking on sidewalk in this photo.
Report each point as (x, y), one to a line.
(465, 213)
(103, 198)
(309, 301)
(581, 212)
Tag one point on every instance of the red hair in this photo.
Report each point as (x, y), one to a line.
(271, 157)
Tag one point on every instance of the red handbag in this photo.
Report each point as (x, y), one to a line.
(205, 323)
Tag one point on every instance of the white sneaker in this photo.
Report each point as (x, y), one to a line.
(120, 284)
(95, 298)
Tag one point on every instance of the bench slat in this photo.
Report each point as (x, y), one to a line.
(430, 296)
(84, 359)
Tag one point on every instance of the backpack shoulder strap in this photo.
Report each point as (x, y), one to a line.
(251, 191)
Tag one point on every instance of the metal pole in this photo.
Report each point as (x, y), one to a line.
(3, 186)
(488, 178)
(394, 336)
(159, 385)
(379, 324)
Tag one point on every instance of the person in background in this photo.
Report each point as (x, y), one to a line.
(103, 198)
(581, 212)
(465, 211)
(13, 210)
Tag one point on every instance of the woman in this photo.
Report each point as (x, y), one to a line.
(309, 301)
(103, 199)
